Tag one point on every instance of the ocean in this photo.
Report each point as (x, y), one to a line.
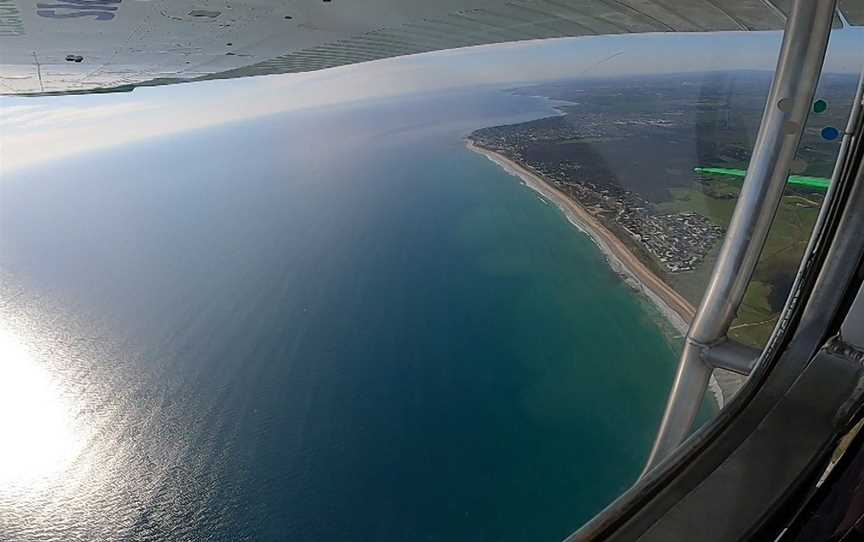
(335, 324)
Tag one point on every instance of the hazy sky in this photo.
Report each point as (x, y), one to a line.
(38, 129)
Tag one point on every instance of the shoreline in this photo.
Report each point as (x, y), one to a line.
(675, 309)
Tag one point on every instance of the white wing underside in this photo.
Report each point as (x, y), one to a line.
(79, 46)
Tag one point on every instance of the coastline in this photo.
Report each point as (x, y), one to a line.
(677, 311)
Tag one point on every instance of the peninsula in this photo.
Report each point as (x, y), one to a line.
(650, 168)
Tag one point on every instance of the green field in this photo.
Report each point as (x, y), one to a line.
(714, 197)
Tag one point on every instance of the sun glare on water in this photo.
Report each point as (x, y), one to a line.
(38, 440)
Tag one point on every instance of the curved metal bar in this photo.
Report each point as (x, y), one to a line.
(802, 53)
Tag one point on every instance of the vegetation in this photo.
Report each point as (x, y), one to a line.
(714, 197)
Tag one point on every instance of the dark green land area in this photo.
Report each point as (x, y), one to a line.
(628, 150)
(715, 198)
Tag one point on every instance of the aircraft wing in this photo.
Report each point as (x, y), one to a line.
(82, 46)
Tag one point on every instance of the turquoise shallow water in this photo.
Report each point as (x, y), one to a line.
(319, 326)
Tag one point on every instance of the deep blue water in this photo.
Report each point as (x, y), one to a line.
(327, 325)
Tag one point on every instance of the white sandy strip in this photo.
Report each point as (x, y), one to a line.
(678, 321)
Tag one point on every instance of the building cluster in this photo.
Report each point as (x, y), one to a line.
(678, 241)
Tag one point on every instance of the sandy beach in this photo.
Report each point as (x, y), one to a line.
(672, 305)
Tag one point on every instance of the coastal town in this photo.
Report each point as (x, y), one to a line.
(678, 242)
(621, 158)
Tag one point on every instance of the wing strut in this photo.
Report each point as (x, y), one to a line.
(805, 40)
